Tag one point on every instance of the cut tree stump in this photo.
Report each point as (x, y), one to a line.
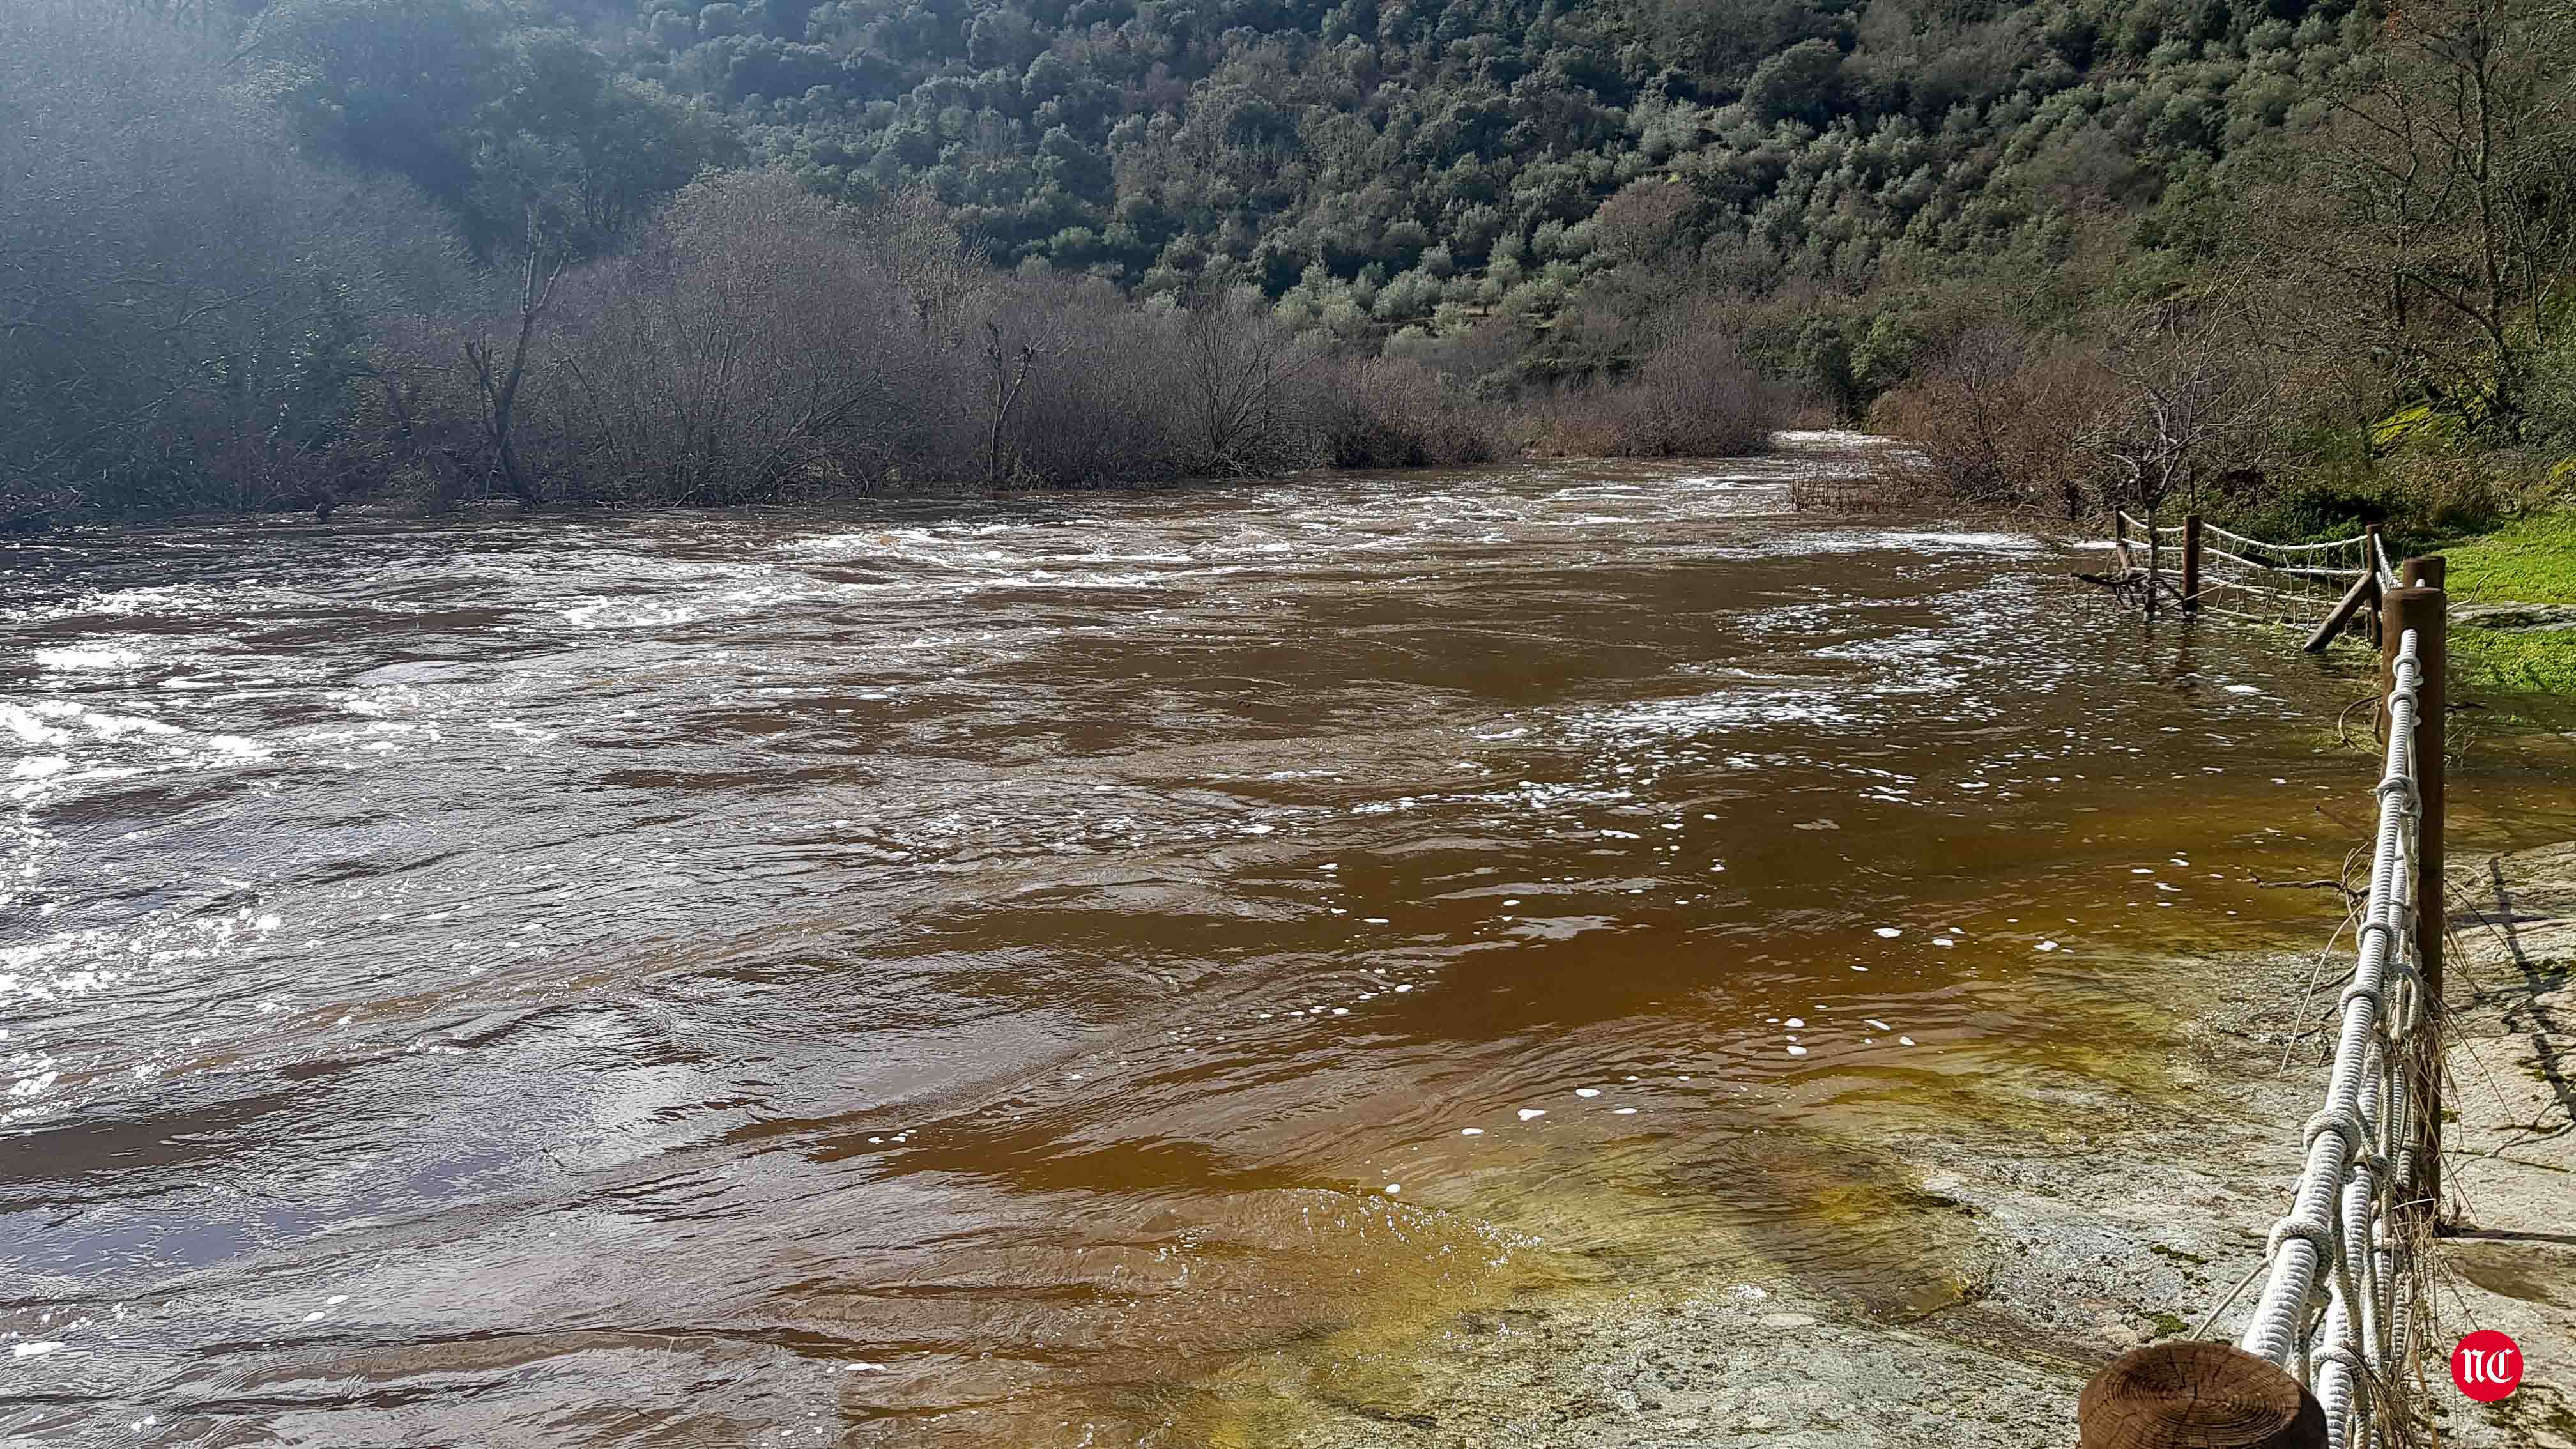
(2195, 1394)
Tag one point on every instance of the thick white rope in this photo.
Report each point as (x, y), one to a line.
(2338, 1248)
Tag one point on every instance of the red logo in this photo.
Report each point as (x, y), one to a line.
(2487, 1365)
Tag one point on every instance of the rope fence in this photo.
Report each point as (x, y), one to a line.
(2332, 1311)
(2203, 568)
(2220, 571)
(2329, 1352)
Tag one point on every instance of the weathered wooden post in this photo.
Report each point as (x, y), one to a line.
(2155, 564)
(2370, 568)
(2423, 607)
(2361, 599)
(2191, 563)
(2194, 1394)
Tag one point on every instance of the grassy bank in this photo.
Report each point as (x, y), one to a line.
(2529, 561)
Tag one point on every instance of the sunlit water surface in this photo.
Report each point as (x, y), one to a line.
(1024, 971)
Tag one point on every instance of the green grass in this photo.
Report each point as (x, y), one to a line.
(2529, 561)
(2532, 561)
(2523, 663)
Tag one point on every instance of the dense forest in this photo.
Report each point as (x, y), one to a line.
(2080, 250)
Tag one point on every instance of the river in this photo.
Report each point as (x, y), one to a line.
(1050, 970)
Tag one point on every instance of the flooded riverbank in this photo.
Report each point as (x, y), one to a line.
(1039, 971)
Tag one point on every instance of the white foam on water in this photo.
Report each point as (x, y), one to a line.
(1528, 1113)
(25, 724)
(1587, 1091)
(85, 656)
(1890, 932)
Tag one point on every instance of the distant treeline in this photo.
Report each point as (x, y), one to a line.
(195, 314)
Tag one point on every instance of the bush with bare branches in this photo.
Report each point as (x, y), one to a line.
(1692, 396)
(747, 347)
(2000, 423)
(1392, 412)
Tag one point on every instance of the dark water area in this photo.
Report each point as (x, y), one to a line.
(1042, 971)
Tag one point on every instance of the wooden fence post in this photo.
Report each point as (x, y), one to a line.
(2155, 563)
(2423, 607)
(2370, 566)
(2361, 598)
(2187, 1393)
(2191, 563)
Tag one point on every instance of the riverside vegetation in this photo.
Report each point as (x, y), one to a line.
(2294, 263)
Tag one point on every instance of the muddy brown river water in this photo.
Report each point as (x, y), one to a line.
(1048, 970)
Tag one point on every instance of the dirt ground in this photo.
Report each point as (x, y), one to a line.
(2511, 1149)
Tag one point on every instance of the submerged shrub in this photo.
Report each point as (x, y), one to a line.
(1999, 423)
(1394, 412)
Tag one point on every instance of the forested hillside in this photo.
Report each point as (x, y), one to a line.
(601, 249)
(1382, 165)
(1376, 168)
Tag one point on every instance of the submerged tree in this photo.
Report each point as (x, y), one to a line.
(1239, 370)
(498, 378)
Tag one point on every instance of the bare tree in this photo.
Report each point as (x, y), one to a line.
(2187, 402)
(1009, 370)
(2000, 422)
(498, 379)
(749, 343)
(2428, 233)
(1238, 374)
